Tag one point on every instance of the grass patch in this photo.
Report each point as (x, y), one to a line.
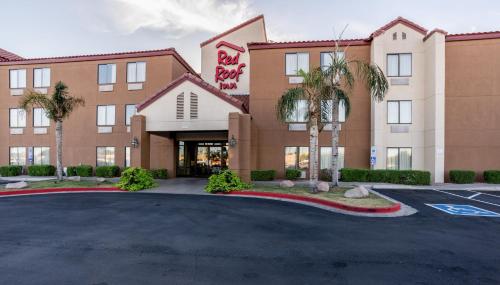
(63, 184)
(336, 195)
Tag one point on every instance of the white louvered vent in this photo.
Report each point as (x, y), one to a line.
(180, 106)
(194, 106)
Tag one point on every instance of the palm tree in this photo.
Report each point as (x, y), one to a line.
(340, 80)
(57, 108)
(314, 90)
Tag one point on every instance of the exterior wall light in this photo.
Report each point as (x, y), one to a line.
(135, 142)
(232, 141)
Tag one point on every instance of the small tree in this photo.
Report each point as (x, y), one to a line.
(314, 90)
(340, 79)
(57, 108)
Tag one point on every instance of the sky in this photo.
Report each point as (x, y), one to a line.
(34, 28)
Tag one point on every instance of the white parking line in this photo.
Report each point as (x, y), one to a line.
(493, 204)
(475, 195)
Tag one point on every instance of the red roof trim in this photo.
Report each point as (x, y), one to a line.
(195, 80)
(8, 56)
(435, 31)
(399, 20)
(230, 45)
(95, 57)
(234, 29)
(307, 44)
(473, 36)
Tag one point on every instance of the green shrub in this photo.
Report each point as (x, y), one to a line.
(135, 179)
(292, 174)
(159, 173)
(84, 170)
(492, 176)
(71, 171)
(11, 170)
(325, 175)
(107, 171)
(41, 170)
(262, 175)
(225, 181)
(462, 176)
(408, 177)
(414, 177)
(354, 175)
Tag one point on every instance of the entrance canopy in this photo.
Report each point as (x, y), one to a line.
(189, 104)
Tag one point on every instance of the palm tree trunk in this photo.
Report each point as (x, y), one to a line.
(335, 140)
(59, 131)
(313, 154)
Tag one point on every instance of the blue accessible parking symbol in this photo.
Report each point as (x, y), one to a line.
(464, 210)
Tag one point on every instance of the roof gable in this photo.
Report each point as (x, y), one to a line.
(398, 20)
(242, 25)
(8, 56)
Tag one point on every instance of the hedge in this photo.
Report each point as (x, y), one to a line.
(262, 175)
(492, 176)
(11, 170)
(292, 174)
(71, 171)
(408, 177)
(325, 175)
(161, 173)
(107, 171)
(41, 170)
(462, 176)
(84, 170)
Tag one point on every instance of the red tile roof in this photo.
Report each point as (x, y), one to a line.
(398, 20)
(473, 36)
(306, 44)
(198, 81)
(107, 56)
(435, 31)
(235, 29)
(8, 56)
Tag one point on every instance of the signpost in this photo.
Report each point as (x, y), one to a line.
(373, 157)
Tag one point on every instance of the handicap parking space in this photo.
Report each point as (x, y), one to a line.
(464, 210)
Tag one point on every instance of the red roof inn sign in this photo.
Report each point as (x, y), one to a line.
(228, 69)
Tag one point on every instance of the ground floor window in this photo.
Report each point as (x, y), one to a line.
(41, 155)
(127, 156)
(105, 156)
(399, 158)
(326, 157)
(297, 157)
(17, 156)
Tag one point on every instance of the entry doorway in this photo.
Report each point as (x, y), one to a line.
(201, 159)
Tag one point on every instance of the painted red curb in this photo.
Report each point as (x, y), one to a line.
(391, 209)
(56, 190)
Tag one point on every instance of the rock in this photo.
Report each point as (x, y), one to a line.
(16, 185)
(73, 178)
(100, 179)
(286, 184)
(358, 192)
(323, 187)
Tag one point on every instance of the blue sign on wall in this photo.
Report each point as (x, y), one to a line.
(464, 210)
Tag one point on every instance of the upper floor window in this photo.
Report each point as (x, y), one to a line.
(106, 115)
(130, 110)
(17, 155)
(136, 72)
(299, 115)
(394, 36)
(41, 77)
(326, 59)
(295, 62)
(327, 110)
(107, 73)
(399, 64)
(105, 156)
(399, 158)
(403, 36)
(41, 155)
(17, 118)
(399, 112)
(17, 78)
(40, 118)
(127, 156)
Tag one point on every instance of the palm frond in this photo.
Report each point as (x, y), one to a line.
(374, 79)
(288, 103)
(34, 99)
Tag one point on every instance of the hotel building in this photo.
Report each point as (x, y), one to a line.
(151, 109)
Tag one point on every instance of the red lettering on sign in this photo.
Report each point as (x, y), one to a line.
(223, 73)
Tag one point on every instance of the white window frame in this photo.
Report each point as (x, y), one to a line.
(108, 150)
(20, 81)
(398, 74)
(399, 121)
(19, 159)
(329, 55)
(40, 115)
(340, 157)
(20, 118)
(300, 113)
(41, 77)
(398, 167)
(110, 76)
(297, 55)
(43, 158)
(128, 117)
(342, 111)
(133, 69)
(108, 119)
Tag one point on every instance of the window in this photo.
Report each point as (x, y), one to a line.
(105, 156)
(40, 118)
(399, 64)
(17, 118)
(41, 155)
(403, 36)
(399, 112)
(326, 59)
(130, 110)
(299, 115)
(17, 78)
(127, 156)
(180, 107)
(17, 156)
(326, 157)
(295, 62)
(399, 158)
(136, 72)
(41, 77)
(328, 105)
(297, 157)
(193, 103)
(394, 36)
(106, 115)
(107, 73)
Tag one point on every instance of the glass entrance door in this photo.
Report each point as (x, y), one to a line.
(201, 158)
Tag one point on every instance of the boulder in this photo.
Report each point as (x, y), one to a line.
(73, 178)
(16, 185)
(286, 184)
(100, 179)
(358, 192)
(323, 187)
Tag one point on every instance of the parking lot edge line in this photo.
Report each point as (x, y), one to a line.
(472, 199)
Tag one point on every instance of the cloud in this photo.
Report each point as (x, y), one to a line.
(178, 18)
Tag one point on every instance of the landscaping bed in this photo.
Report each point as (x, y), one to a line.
(334, 195)
(63, 184)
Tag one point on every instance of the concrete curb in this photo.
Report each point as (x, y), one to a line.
(57, 190)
